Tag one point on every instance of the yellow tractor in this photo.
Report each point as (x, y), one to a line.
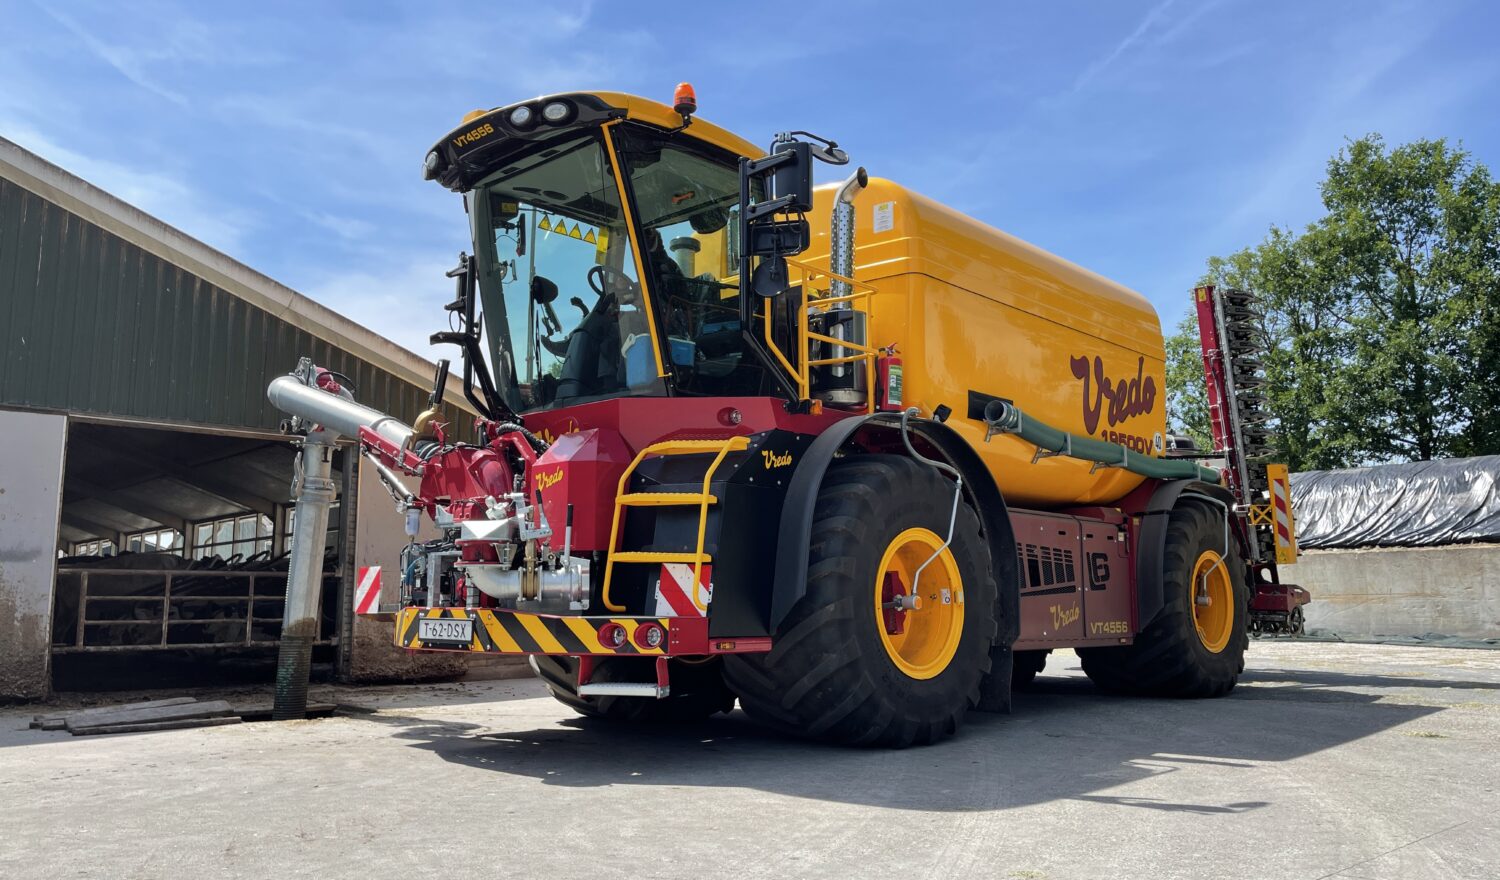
(841, 454)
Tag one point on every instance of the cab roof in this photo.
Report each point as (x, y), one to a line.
(485, 137)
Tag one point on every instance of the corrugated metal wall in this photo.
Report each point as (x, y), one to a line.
(91, 323)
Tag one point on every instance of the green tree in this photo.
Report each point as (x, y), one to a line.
(1381, 324)
(1187, 395)
(1415, 234)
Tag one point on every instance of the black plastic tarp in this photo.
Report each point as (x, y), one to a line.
(1419, 504)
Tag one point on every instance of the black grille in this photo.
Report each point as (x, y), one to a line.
(1046, 567)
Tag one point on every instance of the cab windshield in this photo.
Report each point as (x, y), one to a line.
(564, 311)
(686, 199)
(564, 319)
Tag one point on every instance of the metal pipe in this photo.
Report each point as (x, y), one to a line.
(569, 583)
(684, 252)
(958, 490)
(841, 236)
(848, 379)
(1004, 417)
(314, 492)
(333, 413)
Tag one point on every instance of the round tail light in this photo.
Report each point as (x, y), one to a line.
(650, 635)
(612, 636)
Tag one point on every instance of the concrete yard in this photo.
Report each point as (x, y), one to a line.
(1329, 760)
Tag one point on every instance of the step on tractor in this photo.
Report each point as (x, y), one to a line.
(840, 454)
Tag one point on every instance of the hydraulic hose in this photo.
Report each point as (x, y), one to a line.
(1004, 417)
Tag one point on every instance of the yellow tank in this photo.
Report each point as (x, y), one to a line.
(974, 311)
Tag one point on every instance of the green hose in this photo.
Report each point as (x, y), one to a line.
(1005, 418)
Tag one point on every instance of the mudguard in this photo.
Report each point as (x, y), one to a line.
(1151, 545)
(792, 545)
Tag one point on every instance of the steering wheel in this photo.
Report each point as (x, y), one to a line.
(604, 280)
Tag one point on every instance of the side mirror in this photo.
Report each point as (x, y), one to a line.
(769, 278)
(543, 290)
(792, 180)
(439, 383)
(779, 237)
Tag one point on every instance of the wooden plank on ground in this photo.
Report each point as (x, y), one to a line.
(58, 717)
(160, 713)
(263, 710)
(144, 726)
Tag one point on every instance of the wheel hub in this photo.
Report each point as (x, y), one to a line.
(1213, 601)
(920, 632)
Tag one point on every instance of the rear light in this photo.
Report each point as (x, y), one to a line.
(521, 117)
(649, 635)
(557, 112)
(612, 636)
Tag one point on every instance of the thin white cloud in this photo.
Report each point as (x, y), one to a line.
(1344, 105)
(347, 228)
(158, 193)
(401, 299)
(127, 62)
(1093, 70)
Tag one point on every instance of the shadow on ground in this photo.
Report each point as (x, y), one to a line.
(1306, 681)
(1065, 740)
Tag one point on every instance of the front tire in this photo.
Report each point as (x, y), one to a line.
(1195, 646)
(846, 669)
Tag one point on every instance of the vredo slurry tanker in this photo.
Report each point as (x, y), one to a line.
(715, 461)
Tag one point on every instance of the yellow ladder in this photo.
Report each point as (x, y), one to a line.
(702, 499)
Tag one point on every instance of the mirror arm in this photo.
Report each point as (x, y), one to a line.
(760, 166)
(774, 206)
(492, 407)
(747, 301)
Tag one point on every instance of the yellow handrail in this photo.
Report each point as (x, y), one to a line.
(730, 445)
(670, 447)
(803, 375)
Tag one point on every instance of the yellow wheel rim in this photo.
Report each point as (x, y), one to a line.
(921, 641)
(1211, 595)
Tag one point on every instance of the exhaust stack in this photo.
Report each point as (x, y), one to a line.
(843, 384)
(841, 237)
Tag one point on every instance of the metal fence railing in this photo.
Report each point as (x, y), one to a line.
(123, 609)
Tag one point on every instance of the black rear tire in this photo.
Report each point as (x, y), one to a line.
(1168, 657)
(829, 674)
(697, 689)
(1028, 664)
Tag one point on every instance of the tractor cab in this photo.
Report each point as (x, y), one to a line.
(607, 259)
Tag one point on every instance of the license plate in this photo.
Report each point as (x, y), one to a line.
(452, 630)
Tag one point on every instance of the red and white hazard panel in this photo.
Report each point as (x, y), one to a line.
(1281, 514)
(678, 596)
(367, 591)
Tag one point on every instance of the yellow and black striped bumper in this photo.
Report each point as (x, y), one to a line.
(506, 632)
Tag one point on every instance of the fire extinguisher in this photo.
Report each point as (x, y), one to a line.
(888, 374)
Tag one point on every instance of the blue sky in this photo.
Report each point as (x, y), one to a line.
(1135, 138)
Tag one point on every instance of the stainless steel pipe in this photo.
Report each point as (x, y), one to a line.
(304, 580)
(290, 395)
